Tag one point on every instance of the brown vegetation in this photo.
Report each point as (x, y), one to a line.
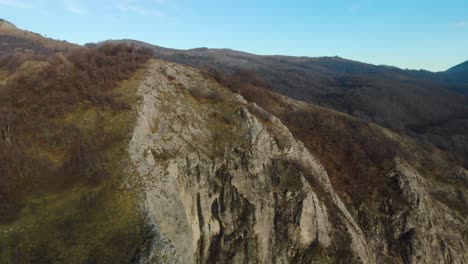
(355, 155)
(419, 104)
(9, 30)
(38, 150)
(201, 94)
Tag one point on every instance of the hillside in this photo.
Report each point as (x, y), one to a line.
(110, 155)
(457, 76)
(242, 175)
(428, 106)
(26, 39)
(18, 46)
(64, 116)
(460, 68)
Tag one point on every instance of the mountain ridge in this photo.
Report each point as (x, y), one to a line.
(381, 94)
(29, 40)
(462, 67)
(298, 57)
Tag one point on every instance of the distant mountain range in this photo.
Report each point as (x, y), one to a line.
(317, 66)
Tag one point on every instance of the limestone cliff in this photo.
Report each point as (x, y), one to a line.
(223, 181)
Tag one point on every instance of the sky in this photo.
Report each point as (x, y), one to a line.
(413, 34)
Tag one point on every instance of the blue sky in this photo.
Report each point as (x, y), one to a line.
(415, 34)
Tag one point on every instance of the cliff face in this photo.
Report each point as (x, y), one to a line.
(220, 184)
(427, 106)
(222, 180)
(423, 229)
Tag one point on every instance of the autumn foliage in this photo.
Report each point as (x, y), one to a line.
(32, 108)
(355, 154)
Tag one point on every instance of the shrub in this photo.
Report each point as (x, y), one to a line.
(197, 93)
(200, 94)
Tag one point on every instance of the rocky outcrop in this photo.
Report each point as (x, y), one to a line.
(222, 185)
(426, 230)
(224, 181)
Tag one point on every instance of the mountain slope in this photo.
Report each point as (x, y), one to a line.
(26, 39)
(458, 77)
(360, 159)
(219, 179)
(418, 103)
(460, 68)
(61, 165)
(225, 181)
(229, 189)
(110, 156)
(18, 46)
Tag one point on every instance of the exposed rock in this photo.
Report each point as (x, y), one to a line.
(427, 231)
(240, 192)
(224, 181)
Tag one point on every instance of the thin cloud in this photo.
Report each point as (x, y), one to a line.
(15, 4)
(355, 8)
(461, 24)
(75, 10)
(74, 6)
(131, 7)
(125, 7)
